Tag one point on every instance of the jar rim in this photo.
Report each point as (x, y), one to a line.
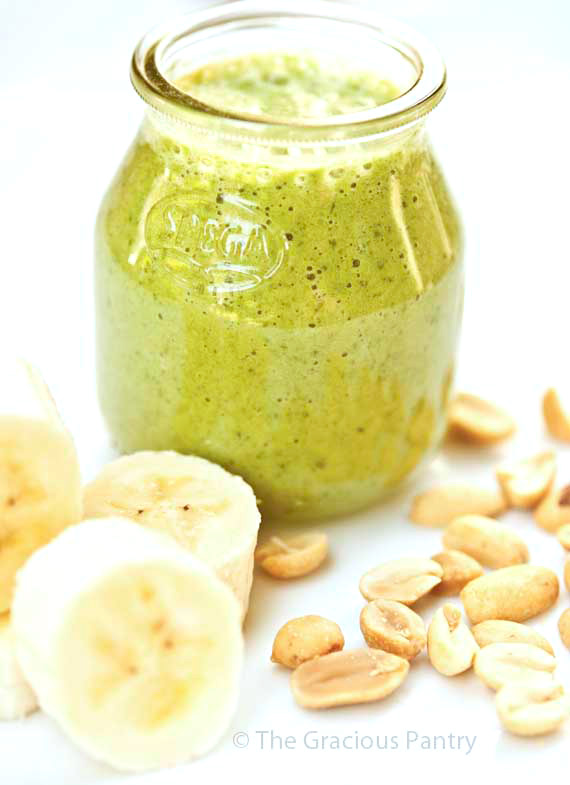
(151, 82)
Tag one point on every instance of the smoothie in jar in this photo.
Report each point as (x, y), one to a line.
(290, 312)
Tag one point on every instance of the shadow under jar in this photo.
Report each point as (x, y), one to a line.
(279, 276)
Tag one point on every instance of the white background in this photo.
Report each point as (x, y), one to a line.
(67, 115)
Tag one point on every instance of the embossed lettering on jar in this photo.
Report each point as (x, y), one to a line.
(279, 267)
(229, 253)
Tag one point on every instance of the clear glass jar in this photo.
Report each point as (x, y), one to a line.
(281, 294)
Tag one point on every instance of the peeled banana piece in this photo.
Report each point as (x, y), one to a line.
(40, 485)
(16, 697)
(210, 512)
(131, 644)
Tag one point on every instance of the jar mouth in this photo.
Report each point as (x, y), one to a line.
(191, 41)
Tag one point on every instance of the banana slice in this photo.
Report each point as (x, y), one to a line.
(131, 644)
(16, 697)
(207, 510)
(40, 486)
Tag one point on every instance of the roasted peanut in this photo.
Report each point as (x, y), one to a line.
(458, 570)
(513, 593)
(306, 637)
(476, 420)
(527, 482)
(451, 646)
(492, 544)
(506, 663)
(501, 631)
(556, 417)
(393, 627)
(293, 556)
(554, 510)
(532, 709)
(439, 506)
(402, 580)
(348, 677)
(564, 628)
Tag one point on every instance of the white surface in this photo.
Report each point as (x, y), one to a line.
(68, 113)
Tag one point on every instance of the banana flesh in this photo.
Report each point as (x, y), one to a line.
(40, 484)
(135, 648)
(210, 512)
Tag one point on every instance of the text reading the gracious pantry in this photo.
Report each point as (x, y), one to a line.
(411, 740)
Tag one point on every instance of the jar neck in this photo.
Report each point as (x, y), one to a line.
(394, 52)
(158, 129)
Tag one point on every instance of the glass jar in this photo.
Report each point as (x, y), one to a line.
(282, 294)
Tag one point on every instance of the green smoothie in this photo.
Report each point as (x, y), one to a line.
(289, 314)
(288, 86)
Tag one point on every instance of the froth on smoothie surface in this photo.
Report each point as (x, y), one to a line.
(286, 85)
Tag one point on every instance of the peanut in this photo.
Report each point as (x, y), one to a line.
(492, 544)
(458, 570)
(451, 646)
(478, 421)
(348, 677)
(527, 482)
(513, 593)
(554, 510)
(306, 637)
(441, 505)
(501, 631)
(556, 417)
(402, 580)
(393, 627)
(505, 663)
(293, 556)
(532, 709)
(564, 628)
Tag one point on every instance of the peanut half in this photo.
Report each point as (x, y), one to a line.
(506, 663)
(554, 510)
(492, 544)
(293, 556)
(567, 574)
(513, 593)
(564, 628)
(458, 570)
(478, 421)
(563, 535)
(306, 637)
(532, 709)
(402, 580)
(451, 646)
(347, 677)
(442, 504)
(527, 482)
(501, 631)
(393, 627)
(556, 417)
